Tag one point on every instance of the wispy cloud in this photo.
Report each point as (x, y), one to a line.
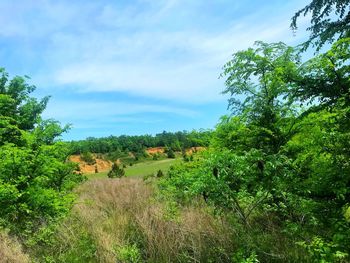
(168, 53)
(133, 53)
(88, 110)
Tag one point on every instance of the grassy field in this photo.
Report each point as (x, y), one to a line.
(142, 169)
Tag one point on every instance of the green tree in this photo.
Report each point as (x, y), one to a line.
(116, 171)
(258, 81)
(159, 173)
(88, 158)
(325, 78)
(170, 153)
(16, 104)
(330, 20)
(35, 177)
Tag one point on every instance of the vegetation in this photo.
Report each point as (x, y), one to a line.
(11, 250)
(133, 227)
(116, 171)
(330, 20)
(35, 179)
(272, 186)
(88, 158)
(121, 146)
(142, 169)
(279, 171)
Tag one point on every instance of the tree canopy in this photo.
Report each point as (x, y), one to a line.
(330, 20)
(35, 178)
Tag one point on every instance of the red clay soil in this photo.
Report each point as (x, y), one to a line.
(102, 165)
(154, 150)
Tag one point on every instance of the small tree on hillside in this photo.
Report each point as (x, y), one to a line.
(88, 158)
(155, 156)
(170, 153)
(160, 173)
(116, 171)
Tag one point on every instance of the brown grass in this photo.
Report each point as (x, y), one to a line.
(11, 250)
(119, 213)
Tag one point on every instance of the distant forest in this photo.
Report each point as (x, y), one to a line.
(176, 141)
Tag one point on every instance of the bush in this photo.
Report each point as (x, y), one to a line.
(35, 177)
(116, 171)
(88, 158)
(160, 173)
(155, 156)
(129, 254)
(170, 153)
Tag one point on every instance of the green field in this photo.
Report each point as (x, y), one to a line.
(143, 168)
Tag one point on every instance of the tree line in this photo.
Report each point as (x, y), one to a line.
(176, 141)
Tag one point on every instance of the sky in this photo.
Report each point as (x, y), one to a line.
(133, 67)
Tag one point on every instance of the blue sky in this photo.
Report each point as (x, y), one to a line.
(135, 67)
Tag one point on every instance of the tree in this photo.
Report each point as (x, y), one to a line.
(330, 20)
(88, 158)
(35, 178)
(16, 104)
(159, 173)
(325, 78)
(170, 153)
(258, 81)
(116, 171)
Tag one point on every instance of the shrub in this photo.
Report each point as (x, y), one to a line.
(155, 156)
(170, 153)
(88, 158)
(160, 173)
(129, 254)
(116, 171)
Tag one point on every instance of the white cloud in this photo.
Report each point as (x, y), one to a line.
(181, 65)
(90, 110)
(145, 48)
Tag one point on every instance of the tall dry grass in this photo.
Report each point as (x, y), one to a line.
(11, 250)
(126, 223)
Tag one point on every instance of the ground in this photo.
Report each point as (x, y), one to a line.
(142, 169)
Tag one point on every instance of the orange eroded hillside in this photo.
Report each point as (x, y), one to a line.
(154, 150)
(102, 165)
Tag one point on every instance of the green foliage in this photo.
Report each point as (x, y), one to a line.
(325, 78)
(324, 252)
(47, 245)
(276, 162)
(115, 155)
(88, 158)
(17, 104)
(121, 146)
(159, 173)
(35, 178)
(116, 171)
(239, 257)
(330, 20)
(170, 153)
(129, 254)
(262, 76)
(155, 156)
